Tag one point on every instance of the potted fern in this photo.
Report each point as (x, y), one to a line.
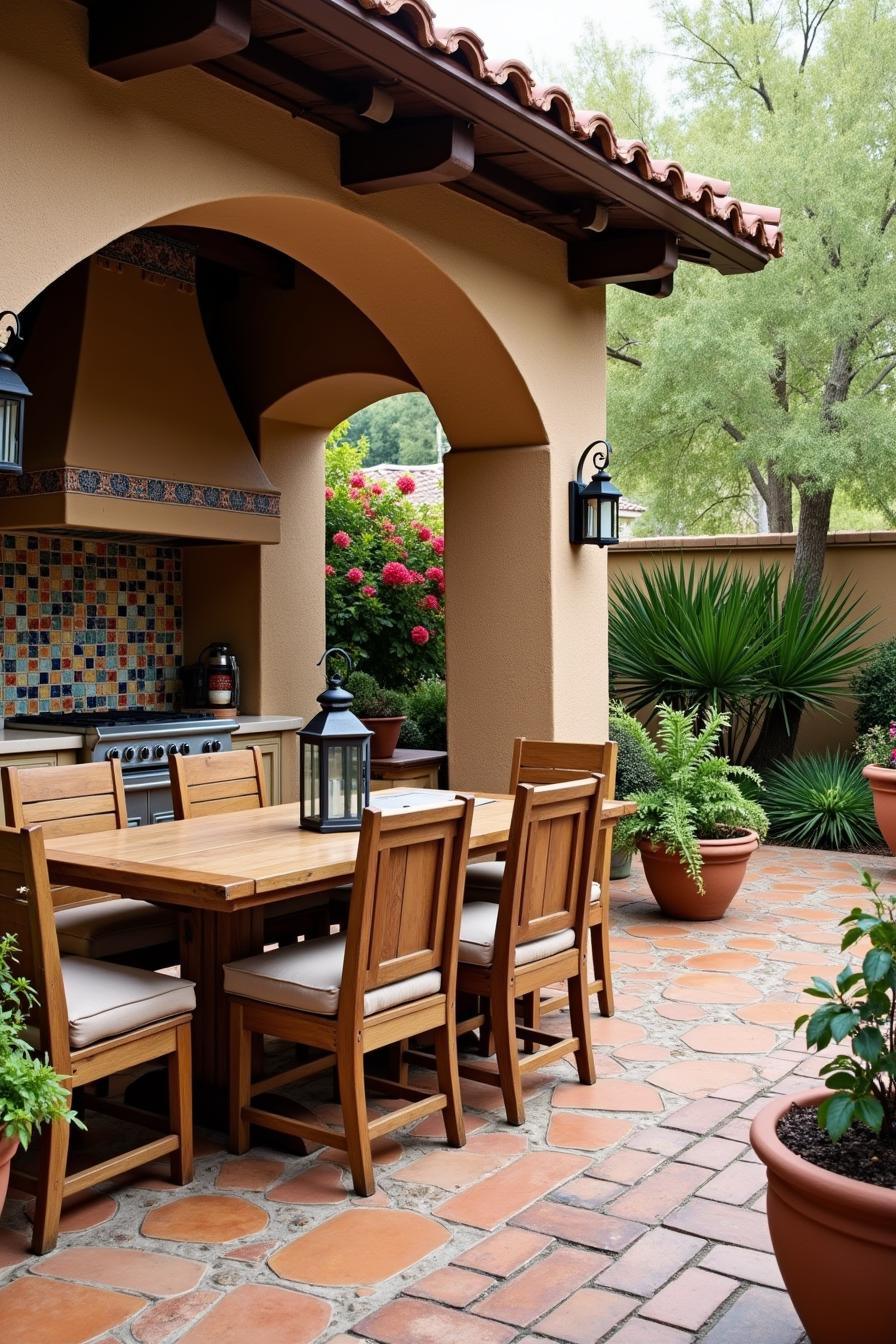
(694, 827)
(32, 1093)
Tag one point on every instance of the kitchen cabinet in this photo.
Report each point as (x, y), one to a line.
(32, 760)
(272, 759)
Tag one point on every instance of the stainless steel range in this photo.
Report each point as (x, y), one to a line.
(142, 740)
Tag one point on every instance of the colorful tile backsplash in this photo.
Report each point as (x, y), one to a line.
(88, 623)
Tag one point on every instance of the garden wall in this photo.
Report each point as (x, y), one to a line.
(867, 560)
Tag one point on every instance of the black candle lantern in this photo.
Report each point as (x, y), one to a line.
(334, 759)
(594, 506)
(12, 398)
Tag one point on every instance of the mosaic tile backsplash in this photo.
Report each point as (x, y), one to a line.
(89, 624)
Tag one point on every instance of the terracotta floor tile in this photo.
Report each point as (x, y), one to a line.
(706, 987)
(587, 1132)
(259, 1314)
(587, 1192)
(626, 1166)
(49, 1312)
(655, 1140)
(658, 1194)
(248, 1173)
(322, 1183)
(498, 1197)
(689, 1301)
(772, 1013)
(582, 1227)
(610, 1031)
(801, 976)
(82, 1212)
(252, 1252)
(609, 1094)
(643, 1050)
(14, 1243)
(651, 1261)
(738, 1184)
(761, 1316)
(504, 1252)
(679, 1012)
(407, 1321)
(713, 1153)
(209, 1219)
(740, 1263)
(697, 1077)
(452, 1286)
(721, 1222)
(699, 1116)
(157, 1324)
(728, 1038)
(149, 1272)
(385, 1150)
(587, 1316)
(752, 944)
(498, 1143)
(359, 1246)
(806, 933)
(543, 1286)
(722, 961)
(640, 1331)
(450, 1169)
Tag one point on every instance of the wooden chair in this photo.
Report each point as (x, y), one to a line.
(390, 977)
(551, 763)
(75, 800)
(536, 934)
(234, 781)
(94, 1019)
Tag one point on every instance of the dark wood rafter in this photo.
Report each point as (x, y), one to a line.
(363, 98)
(145, 37)
(618, 257)
(654, 289)
(407, 154)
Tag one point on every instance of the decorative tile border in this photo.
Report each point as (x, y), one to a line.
(146, 489)
(155, 254)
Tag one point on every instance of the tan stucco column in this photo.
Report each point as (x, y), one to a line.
(526, 630)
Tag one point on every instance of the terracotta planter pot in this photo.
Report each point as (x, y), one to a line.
(620, 865)
(724, 866)
(8, 1149)
(385, 735)
(883, 788)
(834, 1238)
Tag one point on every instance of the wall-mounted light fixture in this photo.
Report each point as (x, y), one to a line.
(594, 505)
(12, 397)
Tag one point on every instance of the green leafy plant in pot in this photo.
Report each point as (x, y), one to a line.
(877, 750)
(633, 775)
(32, 1093)
(831, 1153)
(380, 710)
(695, 828)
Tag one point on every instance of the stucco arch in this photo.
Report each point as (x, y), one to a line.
(326, 402)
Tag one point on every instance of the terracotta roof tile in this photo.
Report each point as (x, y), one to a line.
(759, 224)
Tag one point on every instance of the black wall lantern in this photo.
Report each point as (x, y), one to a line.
(12, 398)
(594, 507)
(334, 759)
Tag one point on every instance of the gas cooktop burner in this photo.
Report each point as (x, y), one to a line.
(111, 718)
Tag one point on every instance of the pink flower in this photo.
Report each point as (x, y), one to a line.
(397, 540)
(368, 511)
(357, 479)
(420, 634)
(424, 533)
(442, 586)
(893, 729)
(406, 484)
(438, 545)
(430, 602)
(368, 590)
(893, 755)
(376, 489)
(417, 577)
(342, 540)
(396, 573)
(329, 493)
(354, 575)
(353, 493)
(388, 525)
(329, 571)
(435, 573)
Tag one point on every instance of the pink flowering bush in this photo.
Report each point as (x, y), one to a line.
(384, 574)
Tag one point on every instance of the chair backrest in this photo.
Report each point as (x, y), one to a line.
(404, 915)
(536, 762)
(228, 781)
(26, 910)
(66, 799)
(549, 864)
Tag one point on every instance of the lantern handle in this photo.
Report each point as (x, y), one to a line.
(332, 677)
(601, 459)
(8, 330)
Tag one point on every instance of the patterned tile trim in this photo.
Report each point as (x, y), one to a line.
(155, 255)
(147, 489)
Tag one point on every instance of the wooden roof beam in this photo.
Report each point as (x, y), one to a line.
(145, 37)
(622, 257)
(407, 154)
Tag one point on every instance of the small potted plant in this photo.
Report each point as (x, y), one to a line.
(380, 710)
(831, 1152)
(32, 1094)
(633, 775)
(694, 826)
(877, 748)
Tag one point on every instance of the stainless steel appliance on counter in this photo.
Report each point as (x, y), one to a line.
(142, 740)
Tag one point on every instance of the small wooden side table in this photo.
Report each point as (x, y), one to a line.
(407, 767)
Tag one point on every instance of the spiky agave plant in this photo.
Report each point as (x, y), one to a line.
(696, 795)
(821, 802)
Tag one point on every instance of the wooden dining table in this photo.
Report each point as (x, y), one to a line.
(222, 874)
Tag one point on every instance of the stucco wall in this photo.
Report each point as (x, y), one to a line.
(865, 561)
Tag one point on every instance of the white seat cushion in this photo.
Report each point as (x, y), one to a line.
(478, 922)
(308, 976)
(107, 1000)
(483, 881)
(113, 928)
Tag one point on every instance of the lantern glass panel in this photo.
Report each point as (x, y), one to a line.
(608, 518)
(592, 519)
(355, 800)
(337, 782)
(311, 777)
(10, 425)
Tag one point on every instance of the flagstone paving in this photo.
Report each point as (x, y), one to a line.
(630, 1212)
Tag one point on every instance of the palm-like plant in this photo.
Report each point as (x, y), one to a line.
(822, 802)
(696, 795)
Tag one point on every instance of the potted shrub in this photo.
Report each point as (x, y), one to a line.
(831, 1152)
(380, 710)
(32, 1094)
(694, 827)
(877, 748)
(633, 775)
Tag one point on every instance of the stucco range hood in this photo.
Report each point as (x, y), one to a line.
(130, 428)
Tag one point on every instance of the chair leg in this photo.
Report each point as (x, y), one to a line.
(240, 1078)
(580, 1018)
(449, 1083)
(600, 951)
(504, 1028)
(48, 1204)
(353, 1096)
(531, 1015)
(486, 1036)
(180, 1101)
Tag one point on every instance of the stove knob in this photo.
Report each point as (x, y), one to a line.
(112, 754)
(206, 746)
(129, 753)
(144, 753)
(184, 748)
(216, 744)
(158, 751)
(172, 749)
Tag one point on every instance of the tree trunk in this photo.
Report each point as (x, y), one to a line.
(811, 541)
(779, 501)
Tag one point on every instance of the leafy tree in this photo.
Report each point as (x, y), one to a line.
(400, 429)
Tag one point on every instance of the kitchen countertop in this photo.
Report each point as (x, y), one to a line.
(268, 723)
(20, 741)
